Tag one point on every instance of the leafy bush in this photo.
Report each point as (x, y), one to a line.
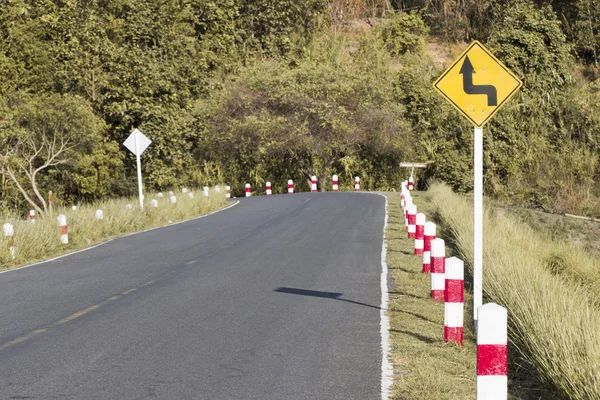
(403, 33)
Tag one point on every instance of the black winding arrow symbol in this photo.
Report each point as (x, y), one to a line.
(467, 72)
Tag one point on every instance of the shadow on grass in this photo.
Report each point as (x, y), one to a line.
(421, 338)
(408, 271)
(414, 296)
(418, 316)
(324, 295)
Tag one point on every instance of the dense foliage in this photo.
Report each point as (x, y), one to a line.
(253, 90)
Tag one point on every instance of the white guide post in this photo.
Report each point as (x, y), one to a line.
(478, 221)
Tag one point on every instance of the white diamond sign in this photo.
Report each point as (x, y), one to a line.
(137, 142)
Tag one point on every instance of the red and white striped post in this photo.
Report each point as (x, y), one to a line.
(335, 183)
(412, 221)
(32, 216)
(356, 183)
(227, 192)
(438, 262)
(248, 190)
(411, 183)
(454, 298)
(408, 202)
(492, 353)
(420, 234)
(290, 186)
(9, 232)
(269, 191)
(313, 184)
(428, 236)
(64, 235)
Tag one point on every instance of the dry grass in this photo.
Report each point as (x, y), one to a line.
(554, 319)
(42, 240)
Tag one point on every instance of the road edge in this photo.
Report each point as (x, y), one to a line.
(387, 370)
(121, 236)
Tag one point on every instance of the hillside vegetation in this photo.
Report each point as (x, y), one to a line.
(243, 91)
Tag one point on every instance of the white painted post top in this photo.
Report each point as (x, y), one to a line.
(268, 184)
(334, 178)
(62, 220)
(8, 229)
(491, 324)
(429, 229)
(438, 248)
(455, 268)
(290, 182)
(412, 209)
(420, 219)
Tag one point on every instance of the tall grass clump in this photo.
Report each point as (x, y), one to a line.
(42, 240)
(554, 320)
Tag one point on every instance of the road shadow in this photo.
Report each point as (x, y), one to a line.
(323, 295)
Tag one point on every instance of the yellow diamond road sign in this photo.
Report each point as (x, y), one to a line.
(477, 84)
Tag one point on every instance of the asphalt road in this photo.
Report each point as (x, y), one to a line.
(275, 298)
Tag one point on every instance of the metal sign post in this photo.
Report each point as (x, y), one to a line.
(137, 143)
(477, 221)
(477, 84)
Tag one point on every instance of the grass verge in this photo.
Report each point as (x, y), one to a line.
(39, 241)
(425, 366)
(553, 317)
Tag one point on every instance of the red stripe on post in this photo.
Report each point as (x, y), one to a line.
(437, 295)
(63, 230)
(437, 265)
(427, 242)
(492, 359)
(426, 268)
(455, 335)
(455, 291)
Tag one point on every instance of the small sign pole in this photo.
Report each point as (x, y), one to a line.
(478, 221)
(137, 143)
(139, 170)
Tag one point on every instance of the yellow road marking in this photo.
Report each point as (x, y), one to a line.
(191, 262)
(125, 293)
(77, 315)
(22, 338)
(116, 297)
(148, 283)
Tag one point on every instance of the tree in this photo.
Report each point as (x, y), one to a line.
(42, 133)
(324, 108)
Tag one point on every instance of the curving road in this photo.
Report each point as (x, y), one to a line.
(275, 298)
